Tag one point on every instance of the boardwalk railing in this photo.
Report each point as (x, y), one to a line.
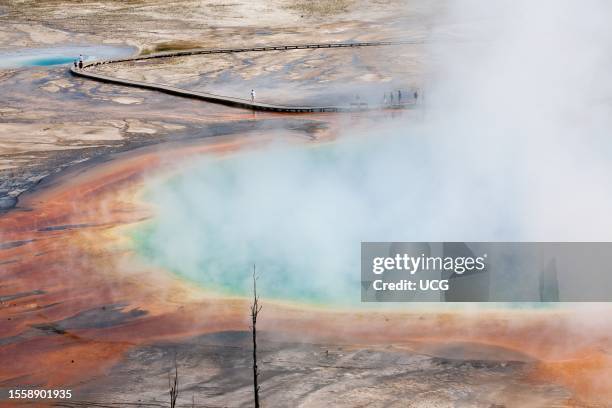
(221, 99)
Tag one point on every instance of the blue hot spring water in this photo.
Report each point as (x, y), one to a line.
(298, 213)
(41, 57)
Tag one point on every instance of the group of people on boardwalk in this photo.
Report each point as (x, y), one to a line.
(397, 97)
(79, 63)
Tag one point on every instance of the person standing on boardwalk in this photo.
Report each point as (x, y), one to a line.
(252, 95)
(399, 96)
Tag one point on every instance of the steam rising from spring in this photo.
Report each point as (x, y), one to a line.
(511, 143)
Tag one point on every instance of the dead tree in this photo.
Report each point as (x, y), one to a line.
(255, 309)
(173, 385)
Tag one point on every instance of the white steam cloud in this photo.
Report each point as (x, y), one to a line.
(513, 143)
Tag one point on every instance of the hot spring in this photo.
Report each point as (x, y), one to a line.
(299, 213)
(30, 57)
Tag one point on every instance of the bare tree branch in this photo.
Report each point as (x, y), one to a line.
(255, 309)
(173, 385)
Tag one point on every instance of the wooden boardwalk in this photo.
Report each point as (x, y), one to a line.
(89, 72)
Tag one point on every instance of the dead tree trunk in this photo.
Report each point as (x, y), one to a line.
(255, 309)
(173, 385)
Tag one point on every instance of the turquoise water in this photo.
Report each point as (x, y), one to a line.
(300, 214)
(33, 57)
(220, 217)
(45, 61)
(219, 245)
